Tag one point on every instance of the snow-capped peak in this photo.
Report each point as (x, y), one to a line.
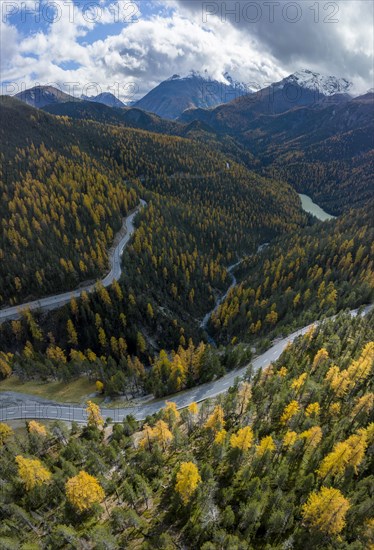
(240, 86)
(225, 79)
(192, 74)
(325, 85)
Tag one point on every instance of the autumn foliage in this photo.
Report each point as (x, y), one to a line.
(32, 472)
(326, 511)
(83, 491)
(188, 478)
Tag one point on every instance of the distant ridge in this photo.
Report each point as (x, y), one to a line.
(40, 96)
(105, 98)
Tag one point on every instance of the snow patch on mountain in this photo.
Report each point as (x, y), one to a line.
(323, 84)
(225, 78)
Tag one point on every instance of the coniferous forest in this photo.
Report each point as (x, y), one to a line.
(222, 266)
(283, 459)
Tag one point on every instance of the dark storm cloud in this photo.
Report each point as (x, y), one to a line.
(334, 36)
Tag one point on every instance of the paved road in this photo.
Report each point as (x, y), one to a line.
(58, 300)
(16, 406)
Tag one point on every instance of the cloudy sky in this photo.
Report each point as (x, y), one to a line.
(129, 47)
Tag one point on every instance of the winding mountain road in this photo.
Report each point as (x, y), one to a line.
(15, 406)
(58, 300)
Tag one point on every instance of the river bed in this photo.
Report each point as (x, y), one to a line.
(309, 206)
(204, 323)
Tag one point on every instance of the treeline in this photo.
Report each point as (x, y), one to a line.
(284, 457)
(318, 270)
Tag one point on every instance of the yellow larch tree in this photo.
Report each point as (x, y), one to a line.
(117, 290)
(162, 434)
(335, 462)
(265, 446)
(188, 479)
(320, 357)
(350, 452)
(312, 437)
(299, 382)
(358, 443)
(360, 369)
(282, 372)
(310, 332)
(216, 421)
(32, 472)
(220, 437)
(72, 333)
(363, 404)
(171, 413)
(193, 408)
(99, 386)
(36, 428)
(243, 397)
(146, 436)
(5, 362)
(334, 409)
(325, 511)
(178, 373)
(289, 411)
(55, 353)
(94, 417)
(242, 439)
(338, 380)
(289, 439)
(83, 491)
(5, 433)
(313, 409)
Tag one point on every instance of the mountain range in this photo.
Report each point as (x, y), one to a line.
(183, 97)
(169, 99)
(305, 129)
(303, 88)
(43, 96)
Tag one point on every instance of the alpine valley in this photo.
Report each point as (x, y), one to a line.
(186, 330)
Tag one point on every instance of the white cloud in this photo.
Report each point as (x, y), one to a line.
(143, 53)
(333, 37)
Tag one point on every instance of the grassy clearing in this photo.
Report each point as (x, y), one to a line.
(76, 391)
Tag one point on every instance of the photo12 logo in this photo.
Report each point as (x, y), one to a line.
(270, 12)
(88, 12)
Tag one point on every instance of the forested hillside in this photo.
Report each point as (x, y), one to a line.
(59, 217)
(64, 196)
(322, 146)
(81, 173)
(314, 272)
(283, 460)
(132, 117)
